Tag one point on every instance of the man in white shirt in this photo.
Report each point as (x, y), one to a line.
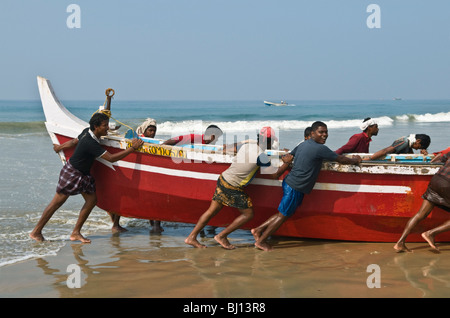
(231, 183)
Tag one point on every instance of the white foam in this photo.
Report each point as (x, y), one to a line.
(432, 118)
(190, 126)
(17, 246)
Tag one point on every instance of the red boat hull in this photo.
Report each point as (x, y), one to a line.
(157, 187)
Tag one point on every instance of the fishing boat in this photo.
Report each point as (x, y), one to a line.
(371, 202)
(282, 103)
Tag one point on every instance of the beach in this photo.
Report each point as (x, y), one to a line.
(141, 264)
(191, 64)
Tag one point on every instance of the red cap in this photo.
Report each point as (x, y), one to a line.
(268, 132)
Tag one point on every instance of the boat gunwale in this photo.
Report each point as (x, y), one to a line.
(373, 167)
(54, 126)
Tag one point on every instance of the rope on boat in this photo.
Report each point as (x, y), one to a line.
(109, 94)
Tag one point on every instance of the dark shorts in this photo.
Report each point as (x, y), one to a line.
(438, 192)
(72, 181)
(231, 196)
(290, 201)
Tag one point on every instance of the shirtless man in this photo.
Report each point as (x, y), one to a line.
(437, 194)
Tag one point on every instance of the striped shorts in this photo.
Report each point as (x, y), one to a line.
(72, 181)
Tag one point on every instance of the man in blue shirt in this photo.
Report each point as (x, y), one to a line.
(308, 157)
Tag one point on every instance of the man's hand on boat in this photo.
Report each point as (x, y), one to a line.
(423, 152)
(287, 158)
(353, 160)
(136, 143)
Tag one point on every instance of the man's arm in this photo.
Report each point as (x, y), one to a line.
(170, 142)
(66, 145)
(230, 148)
(186, 139)
(354, 160)
(381, 153)
(437, 158)
(441, 157)
(287, 160)
(234, 148)
(135, 144)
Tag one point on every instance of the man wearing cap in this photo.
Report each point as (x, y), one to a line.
(231, 183)
(359, 143)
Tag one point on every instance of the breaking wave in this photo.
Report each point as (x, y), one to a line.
(246, 125)
(198, 126)
(426, 118)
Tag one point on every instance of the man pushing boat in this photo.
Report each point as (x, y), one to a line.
(308, 157)
(75, 177)
(230, 186)
(437, 194)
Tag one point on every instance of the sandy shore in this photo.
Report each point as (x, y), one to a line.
(139, 264)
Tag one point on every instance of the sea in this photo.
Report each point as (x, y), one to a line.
(29, 167)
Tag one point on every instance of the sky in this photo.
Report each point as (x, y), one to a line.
(226, 49)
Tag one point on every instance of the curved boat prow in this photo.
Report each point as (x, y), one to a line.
(58, 118)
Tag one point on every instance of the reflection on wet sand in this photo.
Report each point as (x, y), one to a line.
(138, 263)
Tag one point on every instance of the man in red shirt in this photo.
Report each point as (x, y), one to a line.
(359, 143)
(212, 133)
(442, 152)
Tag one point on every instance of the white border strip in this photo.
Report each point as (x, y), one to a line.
(359, 188)
(366, 188)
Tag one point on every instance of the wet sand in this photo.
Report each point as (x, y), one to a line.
(140, 264)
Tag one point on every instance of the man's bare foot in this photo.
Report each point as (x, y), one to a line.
(118, 229)
(264, 246)
(79, 237)
(194, 243)
(37, 237)
(430, 240)
(401, 247)
(224, 242)
(255, 234)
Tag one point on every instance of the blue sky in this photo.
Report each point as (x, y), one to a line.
(226, 50)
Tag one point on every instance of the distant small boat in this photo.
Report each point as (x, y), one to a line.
(397, 98)
(283, 103)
